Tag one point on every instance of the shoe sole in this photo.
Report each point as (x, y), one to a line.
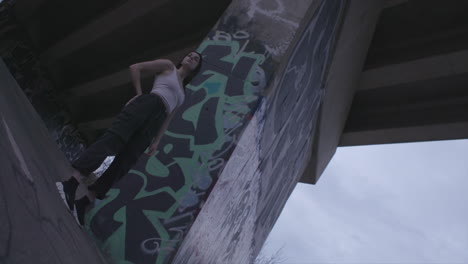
(59, 187)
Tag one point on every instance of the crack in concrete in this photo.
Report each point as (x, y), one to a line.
(17, 152)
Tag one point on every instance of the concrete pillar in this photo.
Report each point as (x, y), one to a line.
(342, 82)
(272, 153)
(146, 216)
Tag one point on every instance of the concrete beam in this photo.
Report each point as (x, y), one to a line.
(119, 78)
(417, 70)
(416, 101)
(390, 3)
(435, 74)
(418, 29)
(117, 84)
(406, 134)
(124, 14)
(25, 9)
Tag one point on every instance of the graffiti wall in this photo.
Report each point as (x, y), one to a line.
(268, 160)
(146, 215)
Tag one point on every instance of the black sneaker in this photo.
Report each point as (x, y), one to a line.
(69, 189)
(81, 206)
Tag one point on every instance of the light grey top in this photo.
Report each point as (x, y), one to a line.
(167, 86)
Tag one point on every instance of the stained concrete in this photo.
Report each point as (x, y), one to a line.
(270, 157)
(342, 82)
(278, 142)
(242, 54)
(416, 29)
(35, 225)
(416, 110)
(412, 87)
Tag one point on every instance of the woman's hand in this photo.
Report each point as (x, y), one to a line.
(162, 130)
(152, 148)
(153, 67)
(133, 98)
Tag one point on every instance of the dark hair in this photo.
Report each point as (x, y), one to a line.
(192, 74)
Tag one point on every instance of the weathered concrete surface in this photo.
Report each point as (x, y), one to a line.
(413, 87)
(342, 82)
(271, 155)
(35, 225)
(147, 214)
(224, 231)
(427, 68)
(427, 109)
(416, 29)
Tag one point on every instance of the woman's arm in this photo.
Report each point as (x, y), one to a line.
(162, 130)
(154, 67)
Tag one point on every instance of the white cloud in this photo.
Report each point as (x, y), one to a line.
(399, 203)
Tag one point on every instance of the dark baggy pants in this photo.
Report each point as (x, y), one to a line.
(129, 136)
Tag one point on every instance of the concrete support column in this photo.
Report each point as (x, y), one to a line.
(147, 214)
(271, 155)
(342, 82)
(243, 138)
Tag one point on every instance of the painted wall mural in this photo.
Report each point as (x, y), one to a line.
(266, 165)
(146, 215)
(149, 212)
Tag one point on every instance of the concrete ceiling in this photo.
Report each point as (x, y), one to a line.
(418, 28)
(87, 46)
(413, 87)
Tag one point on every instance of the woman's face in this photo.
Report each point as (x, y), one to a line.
(191, 60)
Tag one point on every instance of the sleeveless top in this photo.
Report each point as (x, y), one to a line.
(168, 88)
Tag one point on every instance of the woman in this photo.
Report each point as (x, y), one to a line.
(141, 123)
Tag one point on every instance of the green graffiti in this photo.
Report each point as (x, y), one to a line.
(230, 116)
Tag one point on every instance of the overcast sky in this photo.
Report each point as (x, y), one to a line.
(395, 203)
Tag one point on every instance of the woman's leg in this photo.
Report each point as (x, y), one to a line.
(132, 151)
(154, 113)
(121, 164)
(127, 122)
(108, 144)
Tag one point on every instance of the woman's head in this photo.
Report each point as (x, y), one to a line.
(193, 62)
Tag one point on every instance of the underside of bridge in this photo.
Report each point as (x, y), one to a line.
(284, 83)
(87, 46)
(411, 87)
(415, 78)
